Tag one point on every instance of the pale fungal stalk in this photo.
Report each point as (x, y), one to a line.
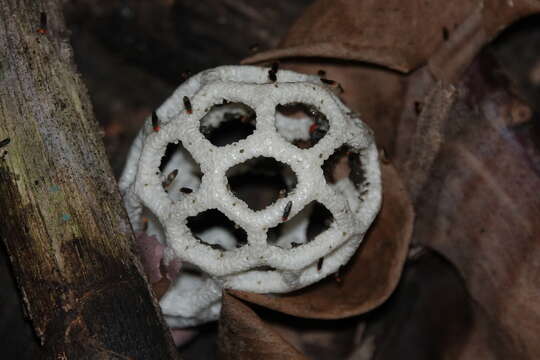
(265, 260)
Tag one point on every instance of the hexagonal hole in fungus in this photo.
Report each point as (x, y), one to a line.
(344, 162)
(213, 228)
(180, 174)
(303, 125)
(228, 123)
(305, 226)
(260, 181)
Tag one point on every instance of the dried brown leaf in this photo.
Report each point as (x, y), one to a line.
(480, 207)
(243, 335)
(400, 35)
(396, 34)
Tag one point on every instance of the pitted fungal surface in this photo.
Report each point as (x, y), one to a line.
(267, 239)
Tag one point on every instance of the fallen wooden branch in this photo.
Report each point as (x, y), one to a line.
(61, 218)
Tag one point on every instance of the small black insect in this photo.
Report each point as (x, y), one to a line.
(320, 126)
(286, 211)
(272, 73)
(445, 33)
(272, 76)
(333, 84)
(42, 23)
(319, 264)
(295, 244)
(5, 142)
(186, 190)
(328, 81)
(187, 105)
(321, 73)
(155, 121)
(418, 107)
(170, 178)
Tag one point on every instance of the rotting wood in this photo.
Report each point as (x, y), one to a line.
(61, 218)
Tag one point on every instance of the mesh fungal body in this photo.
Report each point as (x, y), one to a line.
(278, 252)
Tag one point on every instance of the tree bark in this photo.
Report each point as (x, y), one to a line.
(65, 230)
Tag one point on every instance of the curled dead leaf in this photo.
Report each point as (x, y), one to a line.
(479, 207)
(396, 34)
(382, 33)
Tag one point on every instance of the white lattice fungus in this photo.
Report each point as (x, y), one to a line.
(229, 231)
